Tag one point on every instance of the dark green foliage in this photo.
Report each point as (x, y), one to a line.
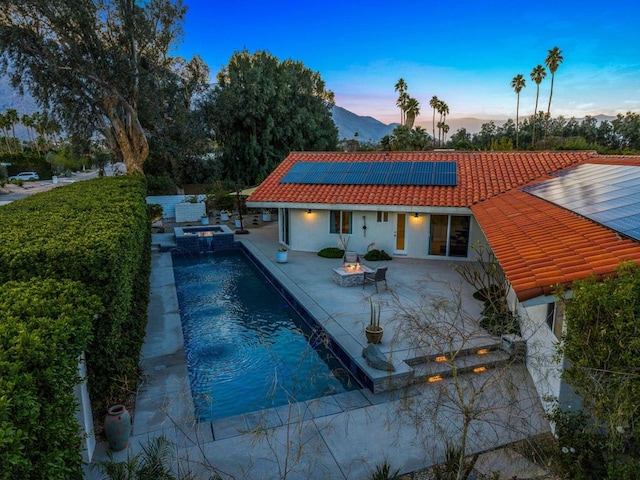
(331, 252)
(161, 185)
(24, 161)
(262, 109)
(152, 463)
(96, 232)
(383, 472)
(45, 324)
(377, 255)
(496, 319)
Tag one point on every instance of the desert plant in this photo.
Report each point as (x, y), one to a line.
(374, 316)
(383, 472)
(377, 255)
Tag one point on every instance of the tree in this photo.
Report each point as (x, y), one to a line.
(91, 62)
(412, 110)
(261, 109)
(537, 75)
(602, 345)
(461, 139)
(434, 103)
(401, 88)
(443, 110)
(518, 83)
(553, 61)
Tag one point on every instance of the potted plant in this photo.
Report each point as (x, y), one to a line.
(374, 331)
(204, 219)
(224, 216)
(266, 215)
(281, 255)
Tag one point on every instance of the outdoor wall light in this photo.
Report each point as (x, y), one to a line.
(309, 212)
(416, 215)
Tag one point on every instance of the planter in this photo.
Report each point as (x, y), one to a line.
(117, 427)
(224, 216)
(282, 257)
(238, 223)
(266, 217)
(374, 335)
(204, 220)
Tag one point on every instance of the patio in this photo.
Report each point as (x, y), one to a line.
(341, 436)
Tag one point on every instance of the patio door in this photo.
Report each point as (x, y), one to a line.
(400, 234)
(285, 232)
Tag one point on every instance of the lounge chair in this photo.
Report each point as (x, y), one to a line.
(350, 258)
(379, 275)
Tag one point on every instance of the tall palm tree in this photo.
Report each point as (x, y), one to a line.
(518, 83)
(401, 88)
(537, 75)
(553, 61)
(412, 110)
(444, 111)
(433, 103)
(12, 119)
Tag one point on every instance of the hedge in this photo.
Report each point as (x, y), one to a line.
(44, 326)
(96, 232)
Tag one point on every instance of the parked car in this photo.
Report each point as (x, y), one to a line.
(25, 176)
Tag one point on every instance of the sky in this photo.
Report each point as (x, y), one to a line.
(464, 52)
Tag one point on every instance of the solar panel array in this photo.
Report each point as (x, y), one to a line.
(373, 173)
(606, 194)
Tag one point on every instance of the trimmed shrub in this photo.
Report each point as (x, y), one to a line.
(44, 326)
(96, 232)
(331, 252)
(377, 255)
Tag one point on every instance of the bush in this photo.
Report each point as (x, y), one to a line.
(96, 232)
(331, 252)
(161, 185)
(44, 326)
(377, 255)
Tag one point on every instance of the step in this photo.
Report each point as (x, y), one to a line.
(463, 364)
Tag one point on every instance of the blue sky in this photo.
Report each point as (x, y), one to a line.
(464, 52)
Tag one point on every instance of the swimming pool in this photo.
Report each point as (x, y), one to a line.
(246, 348)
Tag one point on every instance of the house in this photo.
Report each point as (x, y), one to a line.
(549, 217)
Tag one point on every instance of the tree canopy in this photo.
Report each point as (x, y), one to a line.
(261, 109)
(91, 62)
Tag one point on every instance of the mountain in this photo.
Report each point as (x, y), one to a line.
(368, 128)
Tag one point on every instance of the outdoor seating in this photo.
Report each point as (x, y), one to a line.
(379, 275)
(351, 258)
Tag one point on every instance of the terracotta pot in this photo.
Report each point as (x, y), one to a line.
(117, 427)
(373, 336)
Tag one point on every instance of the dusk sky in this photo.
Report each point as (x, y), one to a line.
(464, 52)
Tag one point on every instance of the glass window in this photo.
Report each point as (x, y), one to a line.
(449, 235)
(340, 222)
(383, 217)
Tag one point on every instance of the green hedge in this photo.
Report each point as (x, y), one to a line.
(96, 232)
(44, 326)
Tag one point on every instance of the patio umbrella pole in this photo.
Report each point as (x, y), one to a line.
(241, 230)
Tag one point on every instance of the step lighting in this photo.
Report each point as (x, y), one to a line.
(435, 378)
(479, 369)
(441, 358)
(483, 351)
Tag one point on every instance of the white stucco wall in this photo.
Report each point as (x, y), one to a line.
(310, 232)
(543, 366)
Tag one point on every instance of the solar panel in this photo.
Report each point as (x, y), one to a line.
(606, 194)
(373, 173)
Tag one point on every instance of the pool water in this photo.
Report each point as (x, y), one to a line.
(246, 348)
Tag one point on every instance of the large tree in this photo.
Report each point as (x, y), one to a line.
(518, 83)
(553, 61)
(89, 62)
(537, 75)
(263, 108)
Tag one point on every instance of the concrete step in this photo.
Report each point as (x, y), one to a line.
(469, 363)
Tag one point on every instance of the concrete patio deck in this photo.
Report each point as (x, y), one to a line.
(343, 436)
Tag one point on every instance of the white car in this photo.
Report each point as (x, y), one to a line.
(25, 176)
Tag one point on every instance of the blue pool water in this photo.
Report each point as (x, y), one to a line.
(246, 348)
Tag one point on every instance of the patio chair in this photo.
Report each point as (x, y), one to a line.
(350, 258)
(379, 275)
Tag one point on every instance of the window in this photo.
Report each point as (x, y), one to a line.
(340, 222)
(554, 319)
(449, 235)
(383, 217)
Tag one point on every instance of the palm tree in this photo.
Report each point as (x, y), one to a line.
(12, 118)
(443, 110)
(518, 83)
(433, 103)
(553, 61)
(401, 88)
(412, 110)
(4, 126)
(537, 75)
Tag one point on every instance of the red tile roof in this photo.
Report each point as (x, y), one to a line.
(481, 175)
(538, 244)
